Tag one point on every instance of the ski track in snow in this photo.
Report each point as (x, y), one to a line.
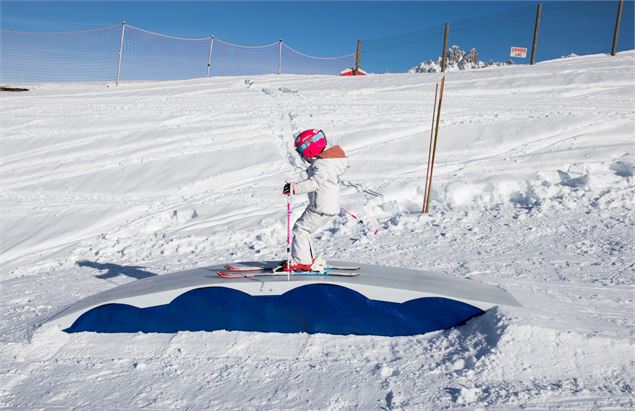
(533, 192)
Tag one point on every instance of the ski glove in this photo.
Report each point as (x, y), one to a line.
(286, 190)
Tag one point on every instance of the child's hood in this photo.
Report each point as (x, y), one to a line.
(333, 152)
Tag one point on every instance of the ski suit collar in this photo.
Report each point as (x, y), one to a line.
(333, 152)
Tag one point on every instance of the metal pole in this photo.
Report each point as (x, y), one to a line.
(445, 47)
(616, 34)
(358, 54)
(434, 149)
(280, 57)
(123, 30)
(533, 46)
(209, 59)
(425, 187)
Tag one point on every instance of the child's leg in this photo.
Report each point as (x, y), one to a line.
(305, 227)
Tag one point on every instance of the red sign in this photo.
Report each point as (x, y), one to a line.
(518, 52)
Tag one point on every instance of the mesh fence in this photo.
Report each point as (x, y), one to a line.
(294, 62)
(493, 36)
(401, 52)
(89, 56)
(476, 42)
(234, 60)
(93, 55)
(565, 28)
(151, 56)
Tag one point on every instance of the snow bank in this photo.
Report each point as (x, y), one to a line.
(533, 191)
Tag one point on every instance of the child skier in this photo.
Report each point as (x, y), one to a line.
(322, 186)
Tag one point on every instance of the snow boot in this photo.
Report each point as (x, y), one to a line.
(318, 264)
(294, 267)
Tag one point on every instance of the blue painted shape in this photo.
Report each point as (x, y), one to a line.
(314, 308)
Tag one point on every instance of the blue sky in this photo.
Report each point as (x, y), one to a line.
(332, 28)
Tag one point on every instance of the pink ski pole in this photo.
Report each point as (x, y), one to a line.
(288, 235)
(359, 220)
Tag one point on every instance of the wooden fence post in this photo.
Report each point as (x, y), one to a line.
(445, 48)
(533, 46)
(358, 54)
(616, 34)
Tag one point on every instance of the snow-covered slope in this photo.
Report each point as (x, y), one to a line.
(533, 191)
(457, 59)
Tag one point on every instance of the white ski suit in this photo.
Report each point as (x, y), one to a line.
(322, 186)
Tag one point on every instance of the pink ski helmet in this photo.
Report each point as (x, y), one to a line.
(310, 143)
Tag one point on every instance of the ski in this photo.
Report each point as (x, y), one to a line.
(270, 273)
(241, 268)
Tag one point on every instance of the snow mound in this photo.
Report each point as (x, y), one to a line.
(457, 59)
(624, 166)
(533, 192)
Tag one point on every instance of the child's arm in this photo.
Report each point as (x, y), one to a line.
(313, 183)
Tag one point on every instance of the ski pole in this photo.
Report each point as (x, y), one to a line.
(288, 236)
(360, 221)
(425, 188)
(434, 146)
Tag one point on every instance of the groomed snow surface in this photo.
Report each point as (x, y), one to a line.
(533, 191)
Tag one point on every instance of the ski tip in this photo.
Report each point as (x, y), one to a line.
(225, 274)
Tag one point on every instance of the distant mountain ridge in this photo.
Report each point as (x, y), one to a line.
(457, 59)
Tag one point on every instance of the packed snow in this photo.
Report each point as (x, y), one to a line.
(533, 191)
